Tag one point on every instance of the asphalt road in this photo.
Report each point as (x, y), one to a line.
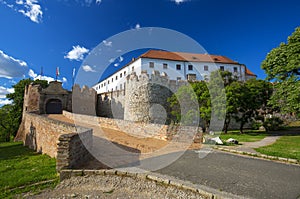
(238, 175)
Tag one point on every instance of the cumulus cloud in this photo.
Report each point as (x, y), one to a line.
(64, 80)
(107, 43)
(5, 102)
(3, 92)
(87, 68)
(35, 76)
(31, 9)
(179, 1)
(77, 53)
(11, 67)
(137, 26)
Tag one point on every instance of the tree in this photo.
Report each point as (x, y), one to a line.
(282, 65)
(11, 115)
(252, 96)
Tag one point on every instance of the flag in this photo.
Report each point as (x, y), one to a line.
(57, 71)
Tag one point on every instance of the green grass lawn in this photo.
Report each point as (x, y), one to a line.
(21, 167)
(248, 136)
(286, 147)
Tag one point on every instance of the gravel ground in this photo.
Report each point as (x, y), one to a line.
(114, 187)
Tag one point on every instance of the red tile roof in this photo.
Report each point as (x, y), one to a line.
(191, 57)
(249, 73)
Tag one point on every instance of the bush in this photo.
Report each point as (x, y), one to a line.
(273, 124)
(255, 125)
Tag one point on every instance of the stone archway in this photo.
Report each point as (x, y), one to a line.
(54, 106)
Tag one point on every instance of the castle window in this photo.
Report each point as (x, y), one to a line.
(112, 80)
(124, 73)
(132, 68)
(151, 64)
(104, 83)
(235, 69)
(190, 67)
(178, 67)
(107, 81)
(205, 68)
(165, 66)
(121, 75)
(116, 77)
(222, 68)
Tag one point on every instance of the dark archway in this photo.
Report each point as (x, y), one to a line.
(54, 106)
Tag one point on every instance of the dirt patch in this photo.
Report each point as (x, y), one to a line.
(144, 145)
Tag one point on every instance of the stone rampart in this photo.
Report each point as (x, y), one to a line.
(84, 100)
(146, 97)
(138, 129)
(68, 143)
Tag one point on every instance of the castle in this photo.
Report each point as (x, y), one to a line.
(175, 66)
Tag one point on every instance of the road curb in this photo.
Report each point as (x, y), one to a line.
(206, 192)
(263, 156)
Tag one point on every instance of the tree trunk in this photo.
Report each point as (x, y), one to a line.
(242, 127)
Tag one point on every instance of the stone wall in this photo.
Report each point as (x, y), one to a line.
(60, 140)
(84, 100)
(111, 104)
(146, 97)
(138, 129)
(73, 149)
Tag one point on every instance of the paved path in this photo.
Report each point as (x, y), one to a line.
(250, 146)
(244, 176)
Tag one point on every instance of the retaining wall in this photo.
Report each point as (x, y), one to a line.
(63, 141)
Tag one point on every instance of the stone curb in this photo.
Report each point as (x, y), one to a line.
(268, 157)
(166, 180)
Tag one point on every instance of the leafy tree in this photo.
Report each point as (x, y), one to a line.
(252, 96)
(11, 115)
(282, 66)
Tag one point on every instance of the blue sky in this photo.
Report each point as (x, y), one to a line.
(61, 33)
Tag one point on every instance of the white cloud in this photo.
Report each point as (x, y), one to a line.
(137, 26)
(5, 102)
(179, 1)
(98, 1)
(31, 9)
(64, 80)
(87, 68)
(4, 91)
(77, 53)
(35, 76)
(11, 67)
(116, 64)
(107, 43)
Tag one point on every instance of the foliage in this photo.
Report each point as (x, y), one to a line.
(282, 65)
(11, 115)
(273, 124)
(252, 96)
(188, 97)
(20, 166)
(286, 147)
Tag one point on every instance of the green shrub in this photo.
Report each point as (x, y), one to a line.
(273, 124)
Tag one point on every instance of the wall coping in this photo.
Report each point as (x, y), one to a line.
(207, 192)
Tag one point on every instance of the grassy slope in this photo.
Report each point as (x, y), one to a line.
(286, 147)
(246, 137)
(21, 166)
